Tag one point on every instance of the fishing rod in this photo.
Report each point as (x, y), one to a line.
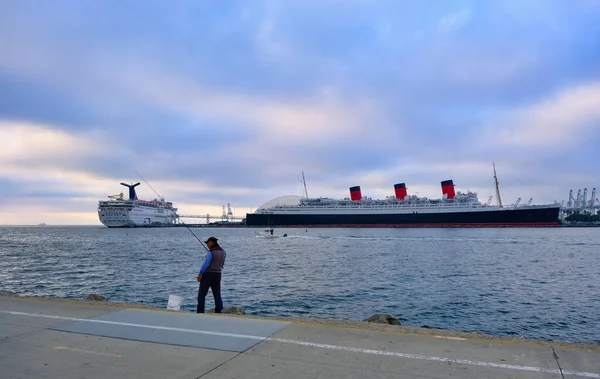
(171, 208)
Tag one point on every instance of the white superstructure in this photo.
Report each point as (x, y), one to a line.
(119, 212)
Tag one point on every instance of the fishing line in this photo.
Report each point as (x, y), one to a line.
(175, 213)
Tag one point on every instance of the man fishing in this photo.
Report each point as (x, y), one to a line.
(210, 275)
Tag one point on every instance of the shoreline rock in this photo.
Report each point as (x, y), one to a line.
(231, 310)
(383, 319)
(94, 297)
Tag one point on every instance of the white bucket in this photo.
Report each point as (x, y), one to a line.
(175, 302)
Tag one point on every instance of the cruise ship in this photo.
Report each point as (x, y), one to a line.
(118, 212)
(453, 209)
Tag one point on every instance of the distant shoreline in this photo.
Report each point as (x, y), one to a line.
(580, 225)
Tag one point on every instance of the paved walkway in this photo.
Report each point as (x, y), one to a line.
(57, 339)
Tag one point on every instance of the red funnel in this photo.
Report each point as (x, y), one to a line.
(355, 193)
(448, 189)
(400, 190)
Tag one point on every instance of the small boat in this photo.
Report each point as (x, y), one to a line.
(268, 233)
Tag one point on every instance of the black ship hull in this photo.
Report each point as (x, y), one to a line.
(529, 217)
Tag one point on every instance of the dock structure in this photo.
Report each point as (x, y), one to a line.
(54, 338)
(226, 218)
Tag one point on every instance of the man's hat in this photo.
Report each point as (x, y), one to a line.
(213, 239)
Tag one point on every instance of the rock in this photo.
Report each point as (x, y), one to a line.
(383, 319)
(230, 311)
(94, 297)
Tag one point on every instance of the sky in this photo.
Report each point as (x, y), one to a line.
(228, 102)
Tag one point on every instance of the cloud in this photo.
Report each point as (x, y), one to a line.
(564, 119)
(454, 21)
(26, 141)
(280, 120)
(267, 41)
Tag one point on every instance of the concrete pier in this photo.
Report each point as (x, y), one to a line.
(45, 338)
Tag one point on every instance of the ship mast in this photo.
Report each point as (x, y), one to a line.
(304, 181)
(497, 188)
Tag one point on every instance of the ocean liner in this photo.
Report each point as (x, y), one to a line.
(454, 209)
(132, 212)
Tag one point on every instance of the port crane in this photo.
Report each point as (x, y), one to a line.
(226, 217)
(593, 199)
(571, 200)
(210, 217)
(517, 202)
(581, 203)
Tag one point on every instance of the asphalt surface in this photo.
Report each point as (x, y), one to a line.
(45, 338)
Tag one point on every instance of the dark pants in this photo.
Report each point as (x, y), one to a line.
(210, 280)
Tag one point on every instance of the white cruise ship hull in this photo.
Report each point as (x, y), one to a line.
(122, 214)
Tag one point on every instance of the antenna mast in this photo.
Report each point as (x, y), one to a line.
(497, 188)
(304, 181)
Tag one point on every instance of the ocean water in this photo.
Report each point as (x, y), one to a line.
(541, 283)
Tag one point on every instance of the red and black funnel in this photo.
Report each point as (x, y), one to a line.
(400, 190)
(355, 193)
(448, 189)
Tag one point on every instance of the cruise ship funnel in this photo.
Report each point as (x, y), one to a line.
(355, 193)
(400, 190)
(448, 189)
(132, 194)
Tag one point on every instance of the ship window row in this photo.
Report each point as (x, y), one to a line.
(342, 210)
(116, 204)
(420, 206)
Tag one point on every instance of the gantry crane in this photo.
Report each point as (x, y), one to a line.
(571, 200)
